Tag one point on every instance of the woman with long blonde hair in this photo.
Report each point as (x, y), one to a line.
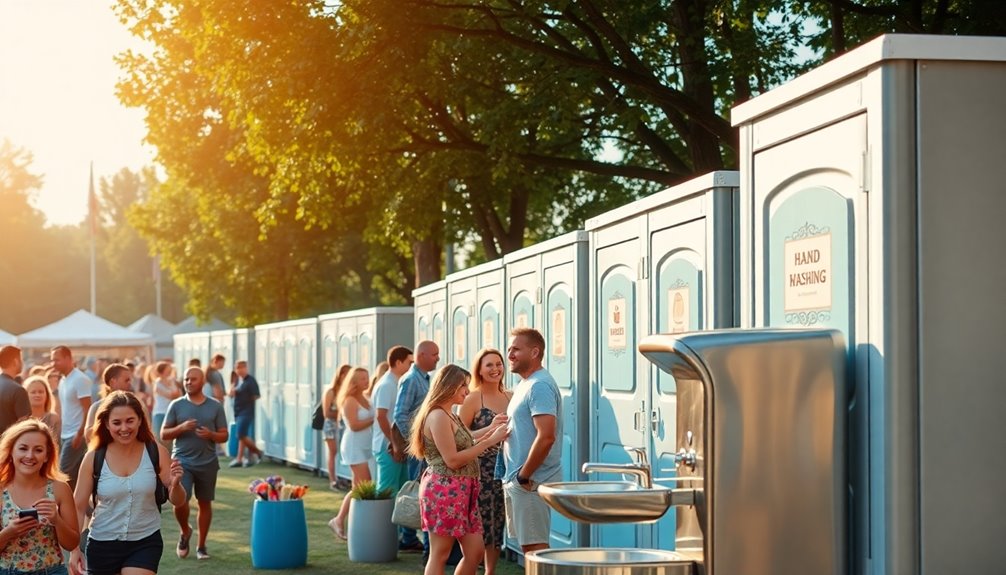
(43, 407)
(330, 431)
(37, 516)
(449, 490)
(357, 441)
(488, 398)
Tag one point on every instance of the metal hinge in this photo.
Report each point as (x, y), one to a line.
(644, 269)
(538, 294)
(864, 180)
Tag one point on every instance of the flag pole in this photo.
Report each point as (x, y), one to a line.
(92, 201)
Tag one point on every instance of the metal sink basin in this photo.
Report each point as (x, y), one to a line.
(588, 561)
(613, 501)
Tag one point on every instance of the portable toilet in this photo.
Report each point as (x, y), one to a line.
(361, 338)
(872, 202)
(662, 264)
(430, 304)
(546, 289)
(222, 342)
(244, 347)
(474, 310)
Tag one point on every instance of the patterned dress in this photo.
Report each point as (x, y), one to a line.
(491, 492)
(449, 498)
(37, 549)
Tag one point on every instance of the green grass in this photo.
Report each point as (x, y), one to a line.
(228, 538)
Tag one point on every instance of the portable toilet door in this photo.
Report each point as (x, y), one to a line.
(276, 440)
(873, 204)
(662, 263)
(222, 342)
(546, 286)
(328, 330)
(307, 392)
(430, 302)
(244, 347)
(263, 407)
(392, 326)
(474, 301)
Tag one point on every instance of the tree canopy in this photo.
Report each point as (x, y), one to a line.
(320, 154)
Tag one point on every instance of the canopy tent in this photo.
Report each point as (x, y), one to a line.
(7, 338)
(190, 325)
(162, 330)
(82, 330)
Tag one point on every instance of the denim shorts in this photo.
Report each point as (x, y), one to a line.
(53, 570)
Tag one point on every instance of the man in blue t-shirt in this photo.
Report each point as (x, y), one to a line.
(196, 424)
(245, 393)
(532, 452)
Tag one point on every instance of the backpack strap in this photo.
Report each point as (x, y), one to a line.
(98, 463)
(155, 457)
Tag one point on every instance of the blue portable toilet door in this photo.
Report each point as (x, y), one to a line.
(292, 445)
(620, 402)
(678, 299)
(522, 314)
(306, 396)
(560, 360)
(276, 437)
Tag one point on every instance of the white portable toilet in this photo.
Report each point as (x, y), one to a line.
(287, 375)
(361, 338)
(222, 342)
(475, 305)
(430, 304)
(546, 289)
(873, 202)
(662, 264)
(244, 347)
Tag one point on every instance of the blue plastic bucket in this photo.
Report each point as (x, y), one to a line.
(278, 534)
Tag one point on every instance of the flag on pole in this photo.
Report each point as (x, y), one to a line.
(92, 204)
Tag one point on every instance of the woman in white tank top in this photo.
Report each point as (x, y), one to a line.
(357, 441)
(126, 527)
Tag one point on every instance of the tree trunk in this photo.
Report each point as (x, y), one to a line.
(427, 255)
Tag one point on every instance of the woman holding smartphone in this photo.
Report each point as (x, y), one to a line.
(38, 514)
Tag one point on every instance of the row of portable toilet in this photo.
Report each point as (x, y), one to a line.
(870, 200)
(234, 344)
(663, 263)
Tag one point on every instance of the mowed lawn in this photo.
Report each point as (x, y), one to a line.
(228, 539)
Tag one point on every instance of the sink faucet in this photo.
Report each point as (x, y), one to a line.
(640, 469)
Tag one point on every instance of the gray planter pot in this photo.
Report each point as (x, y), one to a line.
(372, 537)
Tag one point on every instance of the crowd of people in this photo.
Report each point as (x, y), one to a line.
(86, 464)
(90, 454)
(479, 450)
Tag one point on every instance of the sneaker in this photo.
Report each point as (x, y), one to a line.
(182, 550)
(202, 554)
(237, 463)
(333, 486)
(253, 460)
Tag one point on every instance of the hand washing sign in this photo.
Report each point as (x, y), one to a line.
(807, 266)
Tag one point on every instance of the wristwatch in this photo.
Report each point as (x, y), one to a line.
(523, 480)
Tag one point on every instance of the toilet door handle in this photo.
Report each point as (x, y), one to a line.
(655, 420)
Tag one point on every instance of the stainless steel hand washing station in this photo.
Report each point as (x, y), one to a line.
(761, 473)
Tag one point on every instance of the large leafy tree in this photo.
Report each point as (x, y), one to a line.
(486, 122)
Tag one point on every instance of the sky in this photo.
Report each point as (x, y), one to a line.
(57, 98)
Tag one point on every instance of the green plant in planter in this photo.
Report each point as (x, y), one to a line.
(368, 490)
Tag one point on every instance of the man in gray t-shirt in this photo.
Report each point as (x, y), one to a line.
(197, 424)
(532, 452)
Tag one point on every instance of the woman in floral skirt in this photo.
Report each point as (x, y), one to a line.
(449, 490)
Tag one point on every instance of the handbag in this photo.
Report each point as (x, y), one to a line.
(406, 513)
(318, 420)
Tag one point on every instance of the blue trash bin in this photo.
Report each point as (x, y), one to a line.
(232, 440)
(278, 534)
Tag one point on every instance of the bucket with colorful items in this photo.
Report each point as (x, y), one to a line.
(278, 524)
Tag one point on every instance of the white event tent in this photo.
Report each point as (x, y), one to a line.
(163, 332)
(7, 338)
(82, 331)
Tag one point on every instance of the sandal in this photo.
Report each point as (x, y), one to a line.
(337, 528)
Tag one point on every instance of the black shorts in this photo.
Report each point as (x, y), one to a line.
(109, 557)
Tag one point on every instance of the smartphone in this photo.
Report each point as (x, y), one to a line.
(28, 513)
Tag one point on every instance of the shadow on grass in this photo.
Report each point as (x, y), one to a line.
(228, 538)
